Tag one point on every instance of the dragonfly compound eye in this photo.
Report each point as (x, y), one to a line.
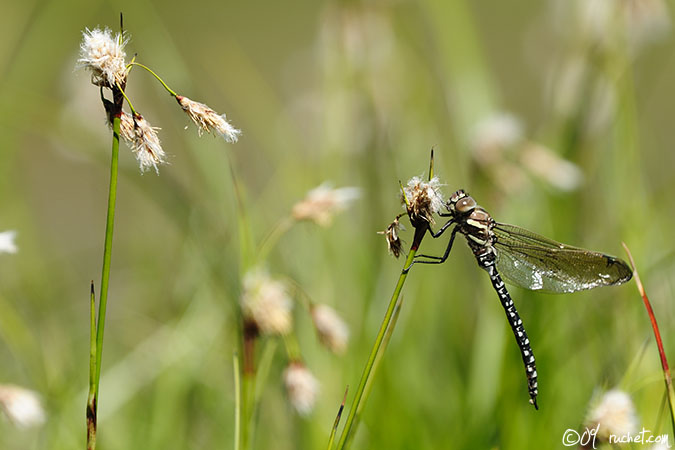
(465, 205)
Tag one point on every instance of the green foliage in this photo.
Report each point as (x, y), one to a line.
(356, 94)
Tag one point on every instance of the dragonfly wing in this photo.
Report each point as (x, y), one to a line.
(534, 262)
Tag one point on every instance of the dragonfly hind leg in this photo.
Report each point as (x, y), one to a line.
(430, 259)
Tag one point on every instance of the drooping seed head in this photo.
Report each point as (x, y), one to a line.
(550, 167)
(422, 198)
(266, 302)
(391, 234)
(22, 406)
(323, 202)
(207, 120)
(302, 387)
(146, 145)
(333, 331)
(102, 53)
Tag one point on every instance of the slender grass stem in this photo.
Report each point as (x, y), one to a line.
(292, 347)
(107, 251)
(368, 371)
(97, 325)
(262, 372)
(131, 105)
(166, 86)
(378, 358)
(337, 420)
(657, 335)
(91, 399)
(273, 237)
(237, 402)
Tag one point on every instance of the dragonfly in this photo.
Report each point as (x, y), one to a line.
(524, 259)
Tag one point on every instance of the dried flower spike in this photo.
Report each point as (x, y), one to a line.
(103, 55)
(126, 128)
(333, 331)
(7, 244)
(423, 199)
(323, 202)
(393, 240)
(266, 302)
(615, 414)
(22, 406)
(146, 145)
(302, 387)
(207, 120)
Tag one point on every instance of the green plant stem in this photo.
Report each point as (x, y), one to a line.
(368, 372)
(337, 420)
(107, 251)
(378, 358)
(248, 388)
(237, 402)
(273, 237)
(91, 399)
(166, 86)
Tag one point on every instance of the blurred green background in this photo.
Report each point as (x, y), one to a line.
(355, 93)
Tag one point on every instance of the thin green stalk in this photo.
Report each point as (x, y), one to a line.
(91, 399)
(264, 366)
(378, 358)
(368, 372)
(337, 420)
(292, 347)
(248, 388)
(166, 86)
(237, 402)
(273, 237)
(107, 251)
(262, 372)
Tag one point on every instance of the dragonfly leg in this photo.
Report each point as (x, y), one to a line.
(435, 259)
(442, 229)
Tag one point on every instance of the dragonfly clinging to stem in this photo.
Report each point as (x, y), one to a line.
(525, 259)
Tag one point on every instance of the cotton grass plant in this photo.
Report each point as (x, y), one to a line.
(422, 199)
(266, 306)
(103, 54)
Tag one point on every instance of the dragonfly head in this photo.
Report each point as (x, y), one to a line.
(461, 203)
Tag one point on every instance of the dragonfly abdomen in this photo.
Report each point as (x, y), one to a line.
(486, 260)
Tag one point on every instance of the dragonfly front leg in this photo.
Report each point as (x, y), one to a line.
(435, 259)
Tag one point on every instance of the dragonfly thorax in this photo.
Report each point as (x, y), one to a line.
(473, 221)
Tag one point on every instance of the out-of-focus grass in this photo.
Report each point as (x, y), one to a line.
(356, 94)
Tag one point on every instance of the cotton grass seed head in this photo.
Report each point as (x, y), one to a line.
(333, 331)
(615, 414)
(102, 53)
(143, 140)
(207, 120)
(393, 240)
(266, 302)
(323, 202)
(146, 146)
(22, 406)
(302, 387)
(7, 244)
(422, 198)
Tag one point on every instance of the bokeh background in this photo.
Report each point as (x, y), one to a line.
(556, 115)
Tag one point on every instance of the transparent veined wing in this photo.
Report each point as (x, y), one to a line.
(534, 262)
